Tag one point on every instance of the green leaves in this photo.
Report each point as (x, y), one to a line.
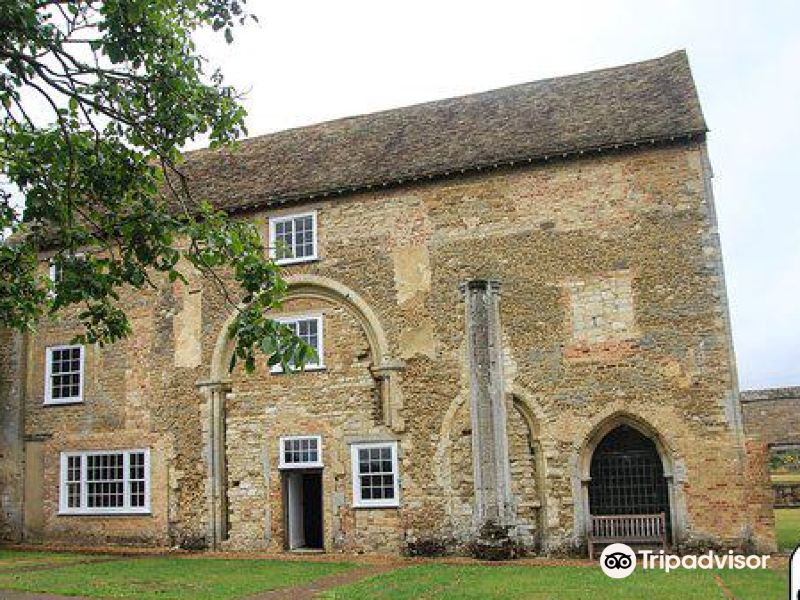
(100, 174)
(255, 332)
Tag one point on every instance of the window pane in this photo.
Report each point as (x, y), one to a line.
(303, 242)
(308, 331)
(283, 239)
(104, 481)
(73, 478)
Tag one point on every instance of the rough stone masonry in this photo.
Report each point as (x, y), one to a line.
(508, 291)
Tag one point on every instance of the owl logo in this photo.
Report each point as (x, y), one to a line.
(618, 561)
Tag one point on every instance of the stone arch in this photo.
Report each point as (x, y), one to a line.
(454, 467)
(611, 422)
(384, 368)
(453, 463)
(594, 438)
(526, 459)
(323, 288)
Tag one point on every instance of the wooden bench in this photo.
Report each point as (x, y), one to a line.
(627, 529)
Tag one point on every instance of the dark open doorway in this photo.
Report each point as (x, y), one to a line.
(303, 510)
(627, 476)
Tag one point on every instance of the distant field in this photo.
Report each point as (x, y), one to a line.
(787, 527)
(785, 477)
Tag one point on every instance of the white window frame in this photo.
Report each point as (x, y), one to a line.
(53, 272)
(358, 501)
(48, 376)
(282, 464)
(83, 509)
(272, 238)
(52, 263)
(320, 364)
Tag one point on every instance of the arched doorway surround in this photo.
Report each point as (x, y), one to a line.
(627, 476)
(626, 468)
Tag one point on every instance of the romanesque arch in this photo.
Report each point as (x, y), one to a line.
(384, 368)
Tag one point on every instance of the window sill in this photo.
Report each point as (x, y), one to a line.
(105, 514)
(298, 371)
(300, 467)
(372, 506)
(288, 262)
(64, 402)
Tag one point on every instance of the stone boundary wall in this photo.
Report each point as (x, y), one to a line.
(772, 415)
(787, 495)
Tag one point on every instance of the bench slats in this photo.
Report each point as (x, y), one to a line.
(637, 529)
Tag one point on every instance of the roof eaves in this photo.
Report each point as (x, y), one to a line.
(556, 154)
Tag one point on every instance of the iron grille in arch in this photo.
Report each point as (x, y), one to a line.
(627, 476)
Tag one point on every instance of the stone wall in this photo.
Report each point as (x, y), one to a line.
(787, 495)
(772, 415)
(758, 493)
(612, 310)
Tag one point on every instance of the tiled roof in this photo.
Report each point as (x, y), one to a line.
(641, 102)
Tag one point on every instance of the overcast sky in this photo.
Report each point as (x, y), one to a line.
(312, 61)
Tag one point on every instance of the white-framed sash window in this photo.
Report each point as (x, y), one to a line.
(105, 482)
(64, 374)
(375, 475)
(293, 238)
(309, 329)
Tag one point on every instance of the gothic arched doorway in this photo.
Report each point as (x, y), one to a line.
(627, 476)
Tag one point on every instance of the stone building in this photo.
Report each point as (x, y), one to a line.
(520, 313)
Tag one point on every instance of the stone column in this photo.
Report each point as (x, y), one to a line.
(490, 462)
(216, 463)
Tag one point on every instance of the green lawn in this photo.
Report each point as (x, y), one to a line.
(763, 584)
(448, 582)
(185, 578)
(170, 578)
(11, 560)
(787, 527)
